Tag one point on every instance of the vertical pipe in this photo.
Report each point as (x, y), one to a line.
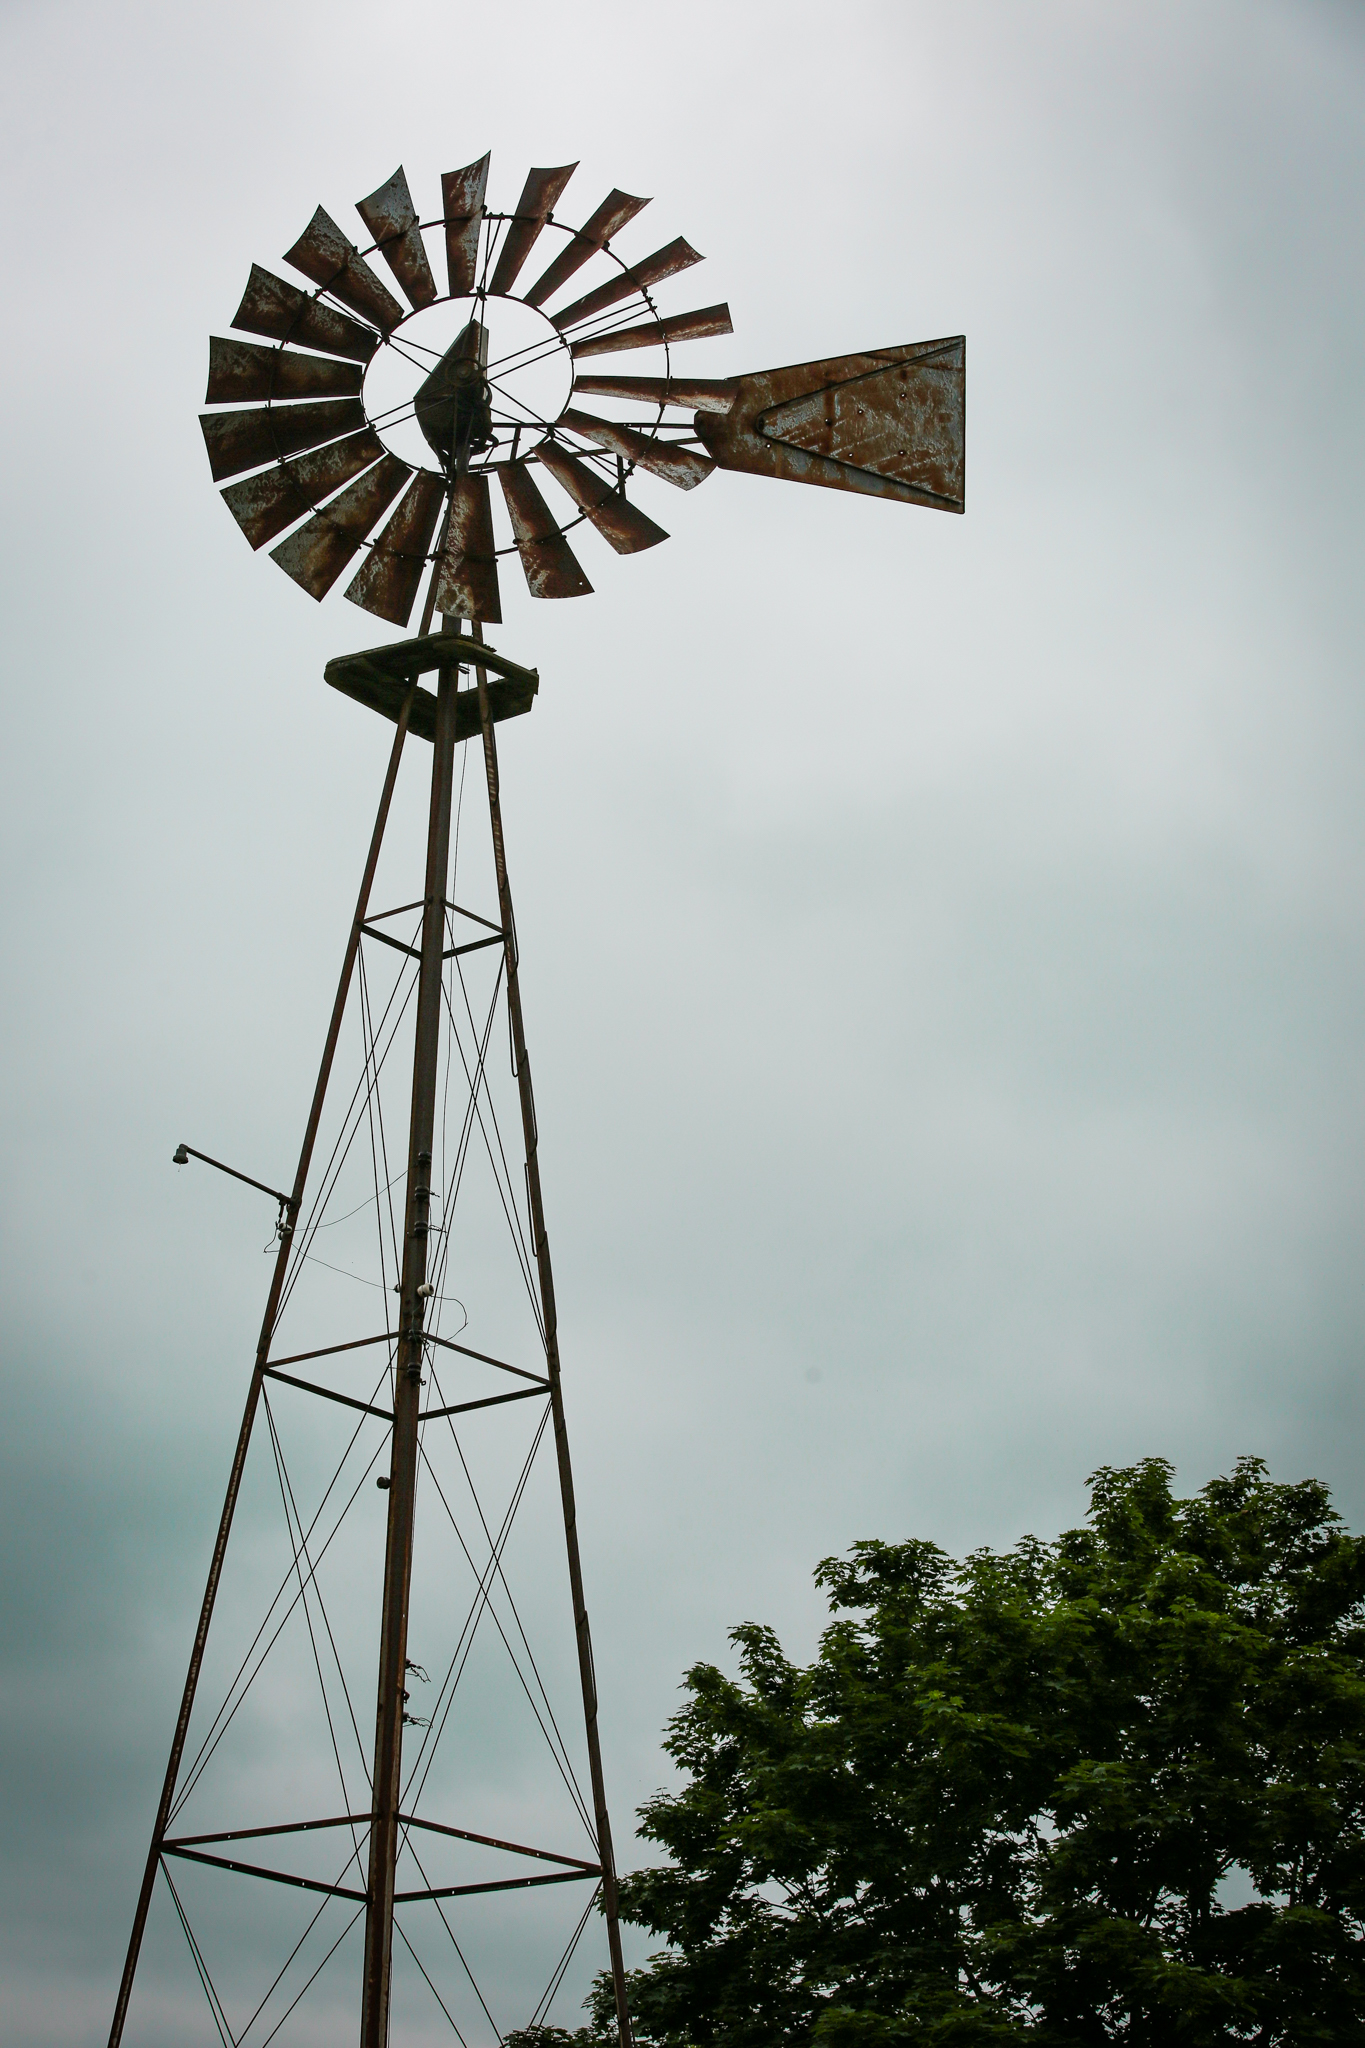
(393, 1640)
(541, 1242)
(163, 1812)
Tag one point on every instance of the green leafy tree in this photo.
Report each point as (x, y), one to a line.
(1107, 1789)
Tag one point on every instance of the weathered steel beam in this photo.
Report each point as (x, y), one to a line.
(498, 1884)
(284, 1827)
(272, 1372)
(488, 1401)
(436, 1827)
(370, 685)
(386, 1776)
(305, 1884)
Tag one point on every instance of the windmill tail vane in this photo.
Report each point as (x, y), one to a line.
(363, 428)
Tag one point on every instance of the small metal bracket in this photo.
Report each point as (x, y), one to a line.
(183, 1154)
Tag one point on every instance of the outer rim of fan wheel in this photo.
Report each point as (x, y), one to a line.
(322, 291)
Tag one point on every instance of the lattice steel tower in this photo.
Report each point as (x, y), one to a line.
(355, 403)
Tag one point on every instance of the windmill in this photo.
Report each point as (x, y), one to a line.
(475, 425)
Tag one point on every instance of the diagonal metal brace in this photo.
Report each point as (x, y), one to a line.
(307, 1884)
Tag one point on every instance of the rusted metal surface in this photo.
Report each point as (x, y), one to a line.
(611, 216)
(391, 218)
(242, 370)
(399, 661)
(497, 1884)
(386, 1775)
(389, 577)
(467, 573)
(666, 262)
(615, 518)
(452, 405)
(888, 423)
(436, 1827)
(678, 466)
(244, 440)
(536, 204)
(317, 553)
(241, 1869)
(284, 313)
(386, 696)
(323, 253)
(678, 327)
(551, 566)
(462, 194)
(295, 1827)
(703, 394)
(264, 504)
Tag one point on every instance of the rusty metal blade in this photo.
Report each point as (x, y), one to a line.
(888, 423)
(389, 577)
(462, 204)
(679, 327)
(467, 575)
(615, 518)
(323, 253)
(678, 466)
(611, 216)
(538, 196)
(705, 394)
(264, 504)
(666, 262)
(272, 307)
(316, 555)
(244, 440)
(391, 218)
(241, 370)
(550, 563)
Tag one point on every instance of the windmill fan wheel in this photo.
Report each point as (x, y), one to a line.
(360, 401)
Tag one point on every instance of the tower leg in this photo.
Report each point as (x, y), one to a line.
(163, 1811)
(393, 1641)
(586, 1672)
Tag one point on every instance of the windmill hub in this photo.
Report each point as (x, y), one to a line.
(411, 381)
(454, 405)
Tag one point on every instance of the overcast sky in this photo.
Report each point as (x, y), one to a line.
(941, 937)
